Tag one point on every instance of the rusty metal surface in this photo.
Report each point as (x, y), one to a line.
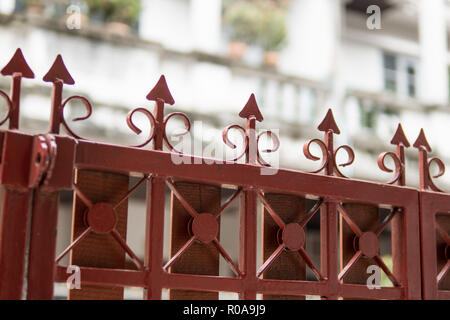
(45, 164)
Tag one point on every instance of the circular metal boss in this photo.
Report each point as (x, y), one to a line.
(205, 227)
(293, 236)
(102, 217)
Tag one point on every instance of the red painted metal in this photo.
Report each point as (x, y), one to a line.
(45, 164)
(51, 167)
(435, 258)
(16, 197)
(18, 68)
(13, 233)
(398, 157)
(426, 181)
(53, 173)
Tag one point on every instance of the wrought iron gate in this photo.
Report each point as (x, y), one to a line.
(35, 168)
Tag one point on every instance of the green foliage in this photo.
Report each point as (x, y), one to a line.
(257, 22)
(368, 115)
(126, 11)
(385, 282)
(273, 30)
(242, 19)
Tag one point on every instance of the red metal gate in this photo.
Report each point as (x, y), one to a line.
(35, 168)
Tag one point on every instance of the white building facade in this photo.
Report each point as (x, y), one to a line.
(371, 78)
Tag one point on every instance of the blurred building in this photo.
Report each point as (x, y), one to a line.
(372, 78)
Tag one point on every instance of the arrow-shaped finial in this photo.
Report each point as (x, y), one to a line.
(421, 141)
(399, 140)
(426, 179)
(251, 109)
(59, 76)
(399, 137)
(18, 68)
(17, 64)
(328, 123)
(161, 91)
(58, 71)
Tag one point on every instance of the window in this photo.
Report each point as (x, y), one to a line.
(367, 114)
(399, 75)
(411, 79)
(390, 72)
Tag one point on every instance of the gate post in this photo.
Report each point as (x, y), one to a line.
(52, 173)
(15, 197)
(15, 193)
(434, 226)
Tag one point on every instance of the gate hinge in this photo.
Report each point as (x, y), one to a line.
(42, 160)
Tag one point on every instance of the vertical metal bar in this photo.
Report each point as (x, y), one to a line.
(248, 244)
(154, 236)
(13, 241)
(443, 251)
(328, 229)
(200, 258)
(55, 115)
(41, 261)
(428, 252)
(289, 265)
(406, 249)
(398, 237)
(51, 177)
(15, 100)
(329, 263)
(14, 216)
(99, 187)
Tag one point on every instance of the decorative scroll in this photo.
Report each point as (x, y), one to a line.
(136, 129)
(88, 107)
(426, 181)
(250, 139)
(398, 157)
(329, 163)
(9, 106)
(158, 123)
(59, 75)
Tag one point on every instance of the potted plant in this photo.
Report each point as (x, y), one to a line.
(241, 19)
(119, 15)
(272, 32)
(35, 7)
